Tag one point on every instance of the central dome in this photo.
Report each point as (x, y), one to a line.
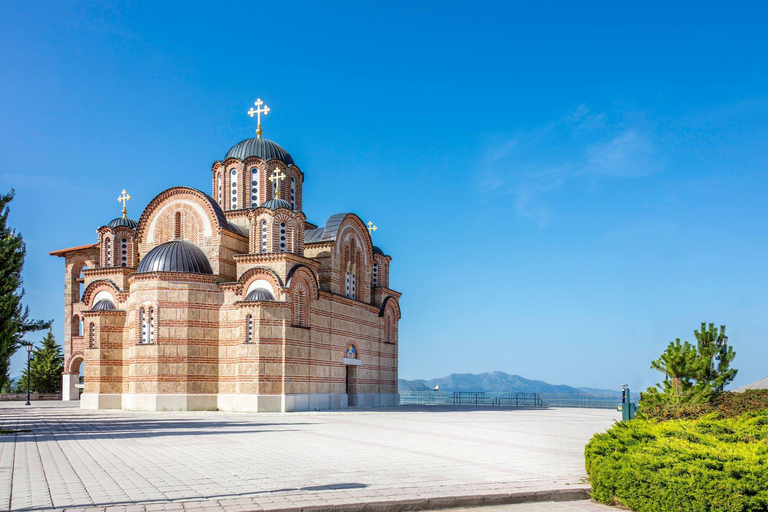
(262, 148)
(175, 256)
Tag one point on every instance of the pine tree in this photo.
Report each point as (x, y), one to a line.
(693, 373)
(14, 318)
(47, 366)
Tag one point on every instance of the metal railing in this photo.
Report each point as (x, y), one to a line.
(511, 399)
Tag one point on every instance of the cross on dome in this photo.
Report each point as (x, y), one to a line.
(124, 198)
(276, 178)
(371, 228)
(257, 112)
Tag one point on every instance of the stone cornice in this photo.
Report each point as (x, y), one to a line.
(349, 302)
(107, 312)
(261, 303)
(275, 257)
(172, 276)
(108, 271)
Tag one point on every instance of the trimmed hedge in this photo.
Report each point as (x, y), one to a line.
(708, 464)
(725, 405)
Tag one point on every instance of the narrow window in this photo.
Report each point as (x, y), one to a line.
(263, 236)
(233, 181)
(249, 329)
(375, 275)
(221, 190)
(282, 237)
(91, 336)
(349, 285)
(109, 253)
(124, 252)
(143, 321)
(254, 187)
(151, 329)
(293, 193)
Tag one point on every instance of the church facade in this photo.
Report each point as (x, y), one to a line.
(231, 301)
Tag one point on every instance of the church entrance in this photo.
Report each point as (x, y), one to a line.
(351, 385)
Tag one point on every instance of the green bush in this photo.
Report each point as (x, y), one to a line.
(724, 405)
(709, 464)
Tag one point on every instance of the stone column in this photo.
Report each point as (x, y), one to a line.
(69, 390)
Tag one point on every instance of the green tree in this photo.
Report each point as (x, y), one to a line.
(693, 373)
(14, 318)
(45, 369)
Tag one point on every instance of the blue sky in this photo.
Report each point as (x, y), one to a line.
(564, 187)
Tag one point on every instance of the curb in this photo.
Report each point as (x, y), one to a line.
(448, 502)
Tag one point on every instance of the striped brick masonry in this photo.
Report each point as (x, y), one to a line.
(263, 312)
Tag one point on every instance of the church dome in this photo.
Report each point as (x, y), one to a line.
(175, 256)
(123, 221)
(104, 305)
(260, 294)
(274, 204)
(262, 148)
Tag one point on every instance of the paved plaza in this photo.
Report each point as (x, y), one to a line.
(381, 460)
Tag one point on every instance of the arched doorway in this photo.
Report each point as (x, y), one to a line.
(72, 379)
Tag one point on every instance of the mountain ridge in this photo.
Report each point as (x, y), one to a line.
(496, 381)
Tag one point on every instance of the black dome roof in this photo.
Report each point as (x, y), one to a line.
(260, 294)
(175, 256)
(104, 305)
(123, 221)
(262, 148)
(274, 204)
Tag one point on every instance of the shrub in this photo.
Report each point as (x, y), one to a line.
(724, 405)
(709, 464)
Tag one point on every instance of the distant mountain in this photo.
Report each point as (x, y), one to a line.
(495, 382)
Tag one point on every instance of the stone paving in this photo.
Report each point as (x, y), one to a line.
(384, 460)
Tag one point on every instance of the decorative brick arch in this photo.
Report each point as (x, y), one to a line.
(101, 285)
(302, 284)
(390, 313)
(209, 215)
(74, 362)
(255, 273)
(303, 273)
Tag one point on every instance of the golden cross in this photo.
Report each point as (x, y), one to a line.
(371, 228)
(124, 199)
(257, 112)
(276, 178)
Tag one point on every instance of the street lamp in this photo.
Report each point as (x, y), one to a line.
(30, 357)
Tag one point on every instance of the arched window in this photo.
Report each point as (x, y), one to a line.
(233, 181)
(263, 236)
(91, 336)
(124, 252)
(221, 189)
(81, 281)
(375, 275)
(282, 237)
(293, 192)
(108, 245)
(254, 187)
(249, 329)
(177, 230)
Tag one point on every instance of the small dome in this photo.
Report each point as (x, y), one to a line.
(104, 305)
(123, 221)
(175, 256)
(262, 148)
(259, 294)
(274, 204)
(377, 250)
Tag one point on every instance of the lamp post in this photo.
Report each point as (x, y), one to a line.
(30, 356)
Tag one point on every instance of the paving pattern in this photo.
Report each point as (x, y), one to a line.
(121, 461)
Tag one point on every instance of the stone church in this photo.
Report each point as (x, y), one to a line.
(232, 301)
